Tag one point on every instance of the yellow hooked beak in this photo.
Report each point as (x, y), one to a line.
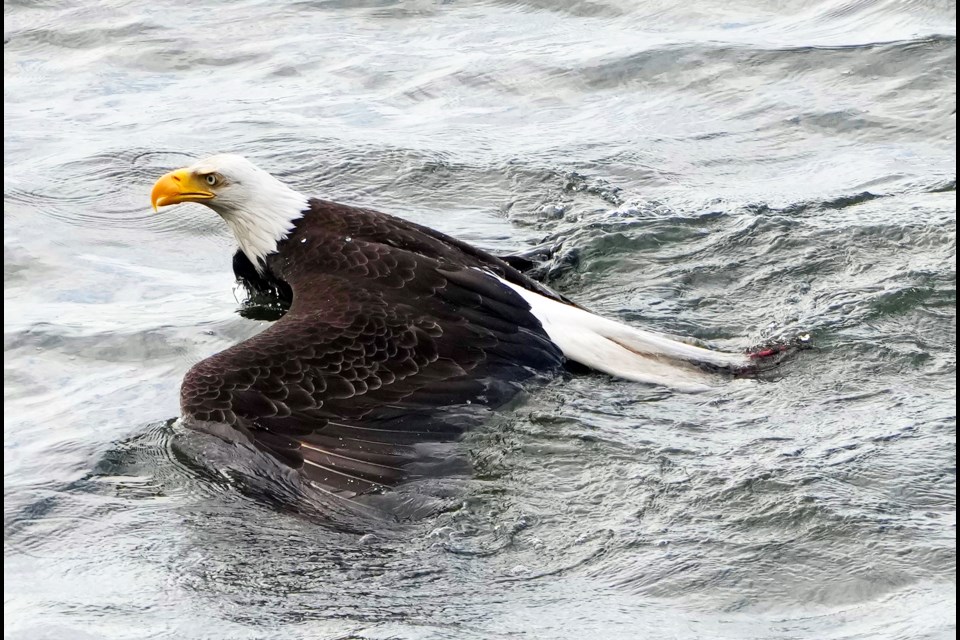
(179, 186)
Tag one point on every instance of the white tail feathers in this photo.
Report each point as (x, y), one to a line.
(626, 352)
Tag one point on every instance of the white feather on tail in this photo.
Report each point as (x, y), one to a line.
(626, 352)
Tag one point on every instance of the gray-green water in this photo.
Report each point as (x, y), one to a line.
(735, 171)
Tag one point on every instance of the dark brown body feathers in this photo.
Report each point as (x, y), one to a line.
(394, 329)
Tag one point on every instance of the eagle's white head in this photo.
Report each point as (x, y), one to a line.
(259, 209)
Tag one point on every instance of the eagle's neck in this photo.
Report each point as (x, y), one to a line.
(260, 223)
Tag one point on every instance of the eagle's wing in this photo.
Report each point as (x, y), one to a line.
(356, 375)
(343, 221)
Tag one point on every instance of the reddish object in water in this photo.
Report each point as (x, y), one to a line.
(797, 344)
(766, 353)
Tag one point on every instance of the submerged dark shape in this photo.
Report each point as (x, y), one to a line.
(393, 334)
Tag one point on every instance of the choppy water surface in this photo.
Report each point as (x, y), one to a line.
(735, 171)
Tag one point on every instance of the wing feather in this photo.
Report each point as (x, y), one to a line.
(370, 362)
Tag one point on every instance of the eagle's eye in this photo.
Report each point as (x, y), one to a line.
(212, 179)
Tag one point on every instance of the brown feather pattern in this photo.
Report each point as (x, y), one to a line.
(393, 330)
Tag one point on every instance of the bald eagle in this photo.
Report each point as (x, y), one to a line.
(393, 330)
